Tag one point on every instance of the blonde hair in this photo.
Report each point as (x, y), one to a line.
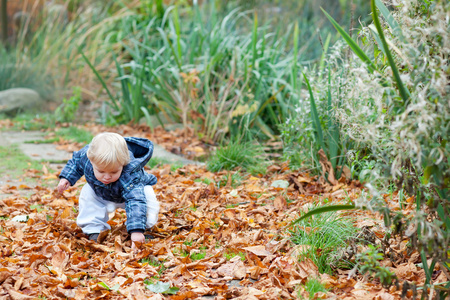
(108, 150)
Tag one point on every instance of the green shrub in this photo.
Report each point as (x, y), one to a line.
(369, 262)
(396, 113)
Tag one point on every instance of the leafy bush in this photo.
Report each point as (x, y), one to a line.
(396, 111)
(369, 262)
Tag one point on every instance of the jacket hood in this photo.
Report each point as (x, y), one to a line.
(141, 150)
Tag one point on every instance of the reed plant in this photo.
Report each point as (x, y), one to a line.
(208, 73)
(213, 72)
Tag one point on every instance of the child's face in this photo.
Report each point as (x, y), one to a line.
(107, 176)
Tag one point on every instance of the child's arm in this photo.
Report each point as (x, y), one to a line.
(74, 168)
(136, 209)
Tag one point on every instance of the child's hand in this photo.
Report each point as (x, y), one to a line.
(63, 185)
(137, 237)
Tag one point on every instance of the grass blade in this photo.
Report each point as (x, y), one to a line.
(390, 19)
(315, 116)
(353, 45)
(323, 209)
(404, 93)
(444, 217)
(333, 128)
(254, 40)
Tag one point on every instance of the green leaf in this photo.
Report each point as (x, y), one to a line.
(172, 291)
(353, 45)
(162, 288)
(280, 184)
(444, 217)
(323, 209)
(390, 19)
(254, 40)
(425, 267)
(104, 285)
(315, 116)
(374, 32)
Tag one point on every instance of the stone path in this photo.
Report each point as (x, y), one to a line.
(48, 152)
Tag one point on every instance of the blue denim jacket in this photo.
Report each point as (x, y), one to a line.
(129, 188)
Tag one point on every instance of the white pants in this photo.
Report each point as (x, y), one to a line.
(93, 210)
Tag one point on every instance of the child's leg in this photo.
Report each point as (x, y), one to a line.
(93, 211)
(152, 206)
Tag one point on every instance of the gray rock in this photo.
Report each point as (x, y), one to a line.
(18, 99)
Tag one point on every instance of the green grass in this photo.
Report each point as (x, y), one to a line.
(23, 74)
(199, 255)
(31, 121)
(37, 207)
(74, 134)
(313, 286)
(13, 162)
(236, 180)
(245, 156)
(155, 263)
(188, 243)
(204, 180)
(325, 236)
(157, 162)
(229, 255)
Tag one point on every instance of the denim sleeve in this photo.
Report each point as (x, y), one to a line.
(135, 206)
(73, 169)
(150, 179)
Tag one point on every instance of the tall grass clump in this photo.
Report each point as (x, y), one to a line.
(314, 127)
(213, 67)
(206, 71)
(247, 156)
(397, 111)
(323, 239)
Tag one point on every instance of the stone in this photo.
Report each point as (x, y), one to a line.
(18, 99)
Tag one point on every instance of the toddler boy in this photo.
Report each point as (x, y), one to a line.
(114, 170)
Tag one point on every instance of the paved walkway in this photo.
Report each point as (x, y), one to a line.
(48, 152)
